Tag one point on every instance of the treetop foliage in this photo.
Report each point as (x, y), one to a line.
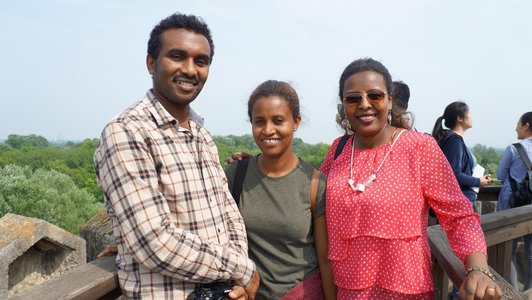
(57, 183)
(21, 141)
(74, 160)
(487, 157)
(45, 194)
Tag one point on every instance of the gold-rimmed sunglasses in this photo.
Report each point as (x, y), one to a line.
(373, 96)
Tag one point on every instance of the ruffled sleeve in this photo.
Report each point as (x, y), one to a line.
(454, 211)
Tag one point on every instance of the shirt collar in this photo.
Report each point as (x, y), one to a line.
(162, 116)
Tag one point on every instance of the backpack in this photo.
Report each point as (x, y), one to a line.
(240, 175)
(522, 192)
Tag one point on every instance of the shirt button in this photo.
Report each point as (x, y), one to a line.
(219, 231)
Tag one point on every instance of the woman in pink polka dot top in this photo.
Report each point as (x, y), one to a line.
(379, 190)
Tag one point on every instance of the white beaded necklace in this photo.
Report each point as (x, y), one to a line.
(361, 187)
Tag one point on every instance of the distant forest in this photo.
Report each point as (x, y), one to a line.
(57, 182)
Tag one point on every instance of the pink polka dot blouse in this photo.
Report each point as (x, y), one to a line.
(378, 238)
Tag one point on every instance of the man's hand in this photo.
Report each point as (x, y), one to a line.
(253, 286)
(249, 292)
(235, 157)
(238, 293)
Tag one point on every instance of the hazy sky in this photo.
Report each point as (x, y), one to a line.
(68, 66)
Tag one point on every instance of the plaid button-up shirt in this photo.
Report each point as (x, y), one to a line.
(173, 217)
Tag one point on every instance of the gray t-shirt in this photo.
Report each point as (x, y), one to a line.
(276, 211)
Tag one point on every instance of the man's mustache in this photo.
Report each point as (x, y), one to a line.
(183, 77)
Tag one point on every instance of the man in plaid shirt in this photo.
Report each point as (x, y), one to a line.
(174, 221)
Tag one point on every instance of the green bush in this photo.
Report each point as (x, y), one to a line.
(74, 160)
(45, 194)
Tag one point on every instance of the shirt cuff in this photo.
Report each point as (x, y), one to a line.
(244, 271)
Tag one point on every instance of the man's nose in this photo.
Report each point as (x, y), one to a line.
(189, 67)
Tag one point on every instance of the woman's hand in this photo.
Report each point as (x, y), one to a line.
(478, 285)
(107, 251)
(486, 180)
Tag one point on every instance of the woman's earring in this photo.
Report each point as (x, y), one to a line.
(345, 124)
(390, 117)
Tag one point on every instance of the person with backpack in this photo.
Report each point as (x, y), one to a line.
(283, 213)
(511, 171)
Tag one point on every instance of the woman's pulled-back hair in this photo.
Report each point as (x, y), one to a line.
(280, 89)
(451, 114)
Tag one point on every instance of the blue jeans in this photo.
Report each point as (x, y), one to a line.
(528, 264)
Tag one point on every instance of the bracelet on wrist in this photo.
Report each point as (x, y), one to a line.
(481, 270)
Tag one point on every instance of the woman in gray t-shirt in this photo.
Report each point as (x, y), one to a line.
(286, 241)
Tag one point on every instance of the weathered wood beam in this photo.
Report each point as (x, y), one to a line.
(94, 280)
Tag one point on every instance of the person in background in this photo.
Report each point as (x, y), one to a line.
(458, 119)
(379, 190)
(175, 223)
(287, 241)
(401, 96)
(513, 167)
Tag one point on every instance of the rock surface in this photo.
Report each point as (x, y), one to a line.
(98, 233)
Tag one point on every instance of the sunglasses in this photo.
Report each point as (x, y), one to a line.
(373, 96)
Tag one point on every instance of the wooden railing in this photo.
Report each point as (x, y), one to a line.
(98, 279)
(500, 229)
(94, 280)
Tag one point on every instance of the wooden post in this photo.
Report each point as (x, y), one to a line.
(499, 257)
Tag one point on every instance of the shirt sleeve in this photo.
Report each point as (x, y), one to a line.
(127, 175)
(454, 151)
(454, 211)
(503, 170)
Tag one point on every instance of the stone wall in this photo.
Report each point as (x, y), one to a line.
(33, 251)
(98, 234)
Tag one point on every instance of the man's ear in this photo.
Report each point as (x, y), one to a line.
(150, 64)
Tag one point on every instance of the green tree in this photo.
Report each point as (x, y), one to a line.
(487, 157)
(32, 140)
(47, 195)
(74, 160)
(5, 147)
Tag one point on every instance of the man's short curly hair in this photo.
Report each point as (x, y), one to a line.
(401, 94)
(178, 21)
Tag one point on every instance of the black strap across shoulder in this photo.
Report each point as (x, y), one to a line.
(524, 156)
(521, 151)
(341, 145)
(238, 180)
